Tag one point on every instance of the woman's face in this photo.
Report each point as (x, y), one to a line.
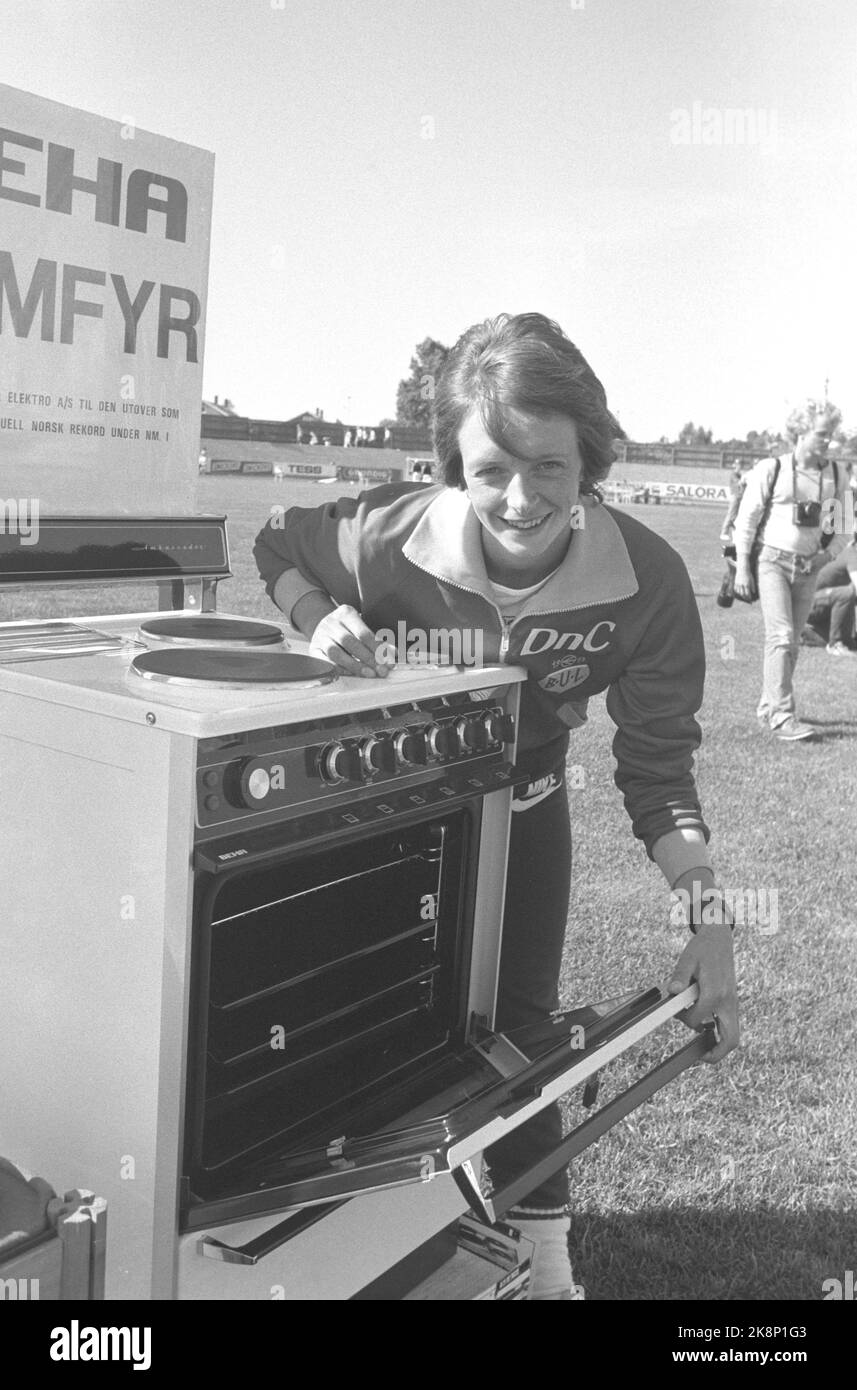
(523, 494)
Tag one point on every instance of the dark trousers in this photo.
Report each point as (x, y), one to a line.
(534, 924)
(839, 602)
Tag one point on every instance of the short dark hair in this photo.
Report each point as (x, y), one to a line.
(523, 361)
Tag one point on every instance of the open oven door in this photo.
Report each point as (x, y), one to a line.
(478, 1095)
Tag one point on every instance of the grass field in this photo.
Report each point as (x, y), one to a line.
(737, 1181)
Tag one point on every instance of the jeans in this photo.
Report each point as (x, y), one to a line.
(534, 923)
(786, 590)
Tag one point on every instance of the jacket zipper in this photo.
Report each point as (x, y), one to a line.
(505, 633)
(504, 636)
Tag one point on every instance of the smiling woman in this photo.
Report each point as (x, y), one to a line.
(516, 546)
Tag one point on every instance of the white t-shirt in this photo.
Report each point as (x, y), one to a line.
(511, 601)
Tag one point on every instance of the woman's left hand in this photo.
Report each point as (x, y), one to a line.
(708, 958)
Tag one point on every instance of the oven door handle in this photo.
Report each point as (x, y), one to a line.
(270, 1240)
(493, 1204)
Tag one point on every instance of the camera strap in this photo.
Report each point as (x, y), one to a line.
(835, 468)
(820, 481)
(768, 503)
(826, 536)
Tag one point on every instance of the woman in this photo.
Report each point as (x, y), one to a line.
(514, 544)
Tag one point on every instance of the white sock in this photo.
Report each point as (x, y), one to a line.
(551, 1273)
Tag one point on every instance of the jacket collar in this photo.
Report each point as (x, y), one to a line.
(447, 543)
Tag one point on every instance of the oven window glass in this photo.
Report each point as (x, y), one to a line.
(323, 981)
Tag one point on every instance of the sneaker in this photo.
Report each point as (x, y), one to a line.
(839, 649)
(792, 729)
(810, 638)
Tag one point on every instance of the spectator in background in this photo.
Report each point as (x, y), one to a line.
(737, 483)
(784, 506)
(831, 620)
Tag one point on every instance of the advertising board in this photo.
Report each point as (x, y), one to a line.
(104, 243)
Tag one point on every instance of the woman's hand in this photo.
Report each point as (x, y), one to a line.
(343, 638)
(708, 958)
(744, 586)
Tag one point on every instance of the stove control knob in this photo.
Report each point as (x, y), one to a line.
(338, 763)
(258, 784)
(441, 740)
(409, 749)
(246, 784)
(498, 726)
(471, 735)
(377, 755)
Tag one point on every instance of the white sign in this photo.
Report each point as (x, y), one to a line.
(690, 492)
(104, 236)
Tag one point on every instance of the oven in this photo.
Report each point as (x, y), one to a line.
(345, 945)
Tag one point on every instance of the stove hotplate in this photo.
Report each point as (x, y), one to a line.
(208, 630)
(215, 667)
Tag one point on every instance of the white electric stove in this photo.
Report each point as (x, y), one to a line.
(251, 933)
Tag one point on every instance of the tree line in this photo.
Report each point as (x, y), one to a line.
(416, 392)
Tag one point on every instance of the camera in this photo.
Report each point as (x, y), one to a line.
(806, 513)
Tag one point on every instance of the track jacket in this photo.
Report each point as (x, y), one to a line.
(618, 615)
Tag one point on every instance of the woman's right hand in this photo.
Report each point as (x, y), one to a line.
(343, 638)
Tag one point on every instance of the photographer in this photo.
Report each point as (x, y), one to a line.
(783, 507)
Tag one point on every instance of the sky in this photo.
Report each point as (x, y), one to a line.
(388, 170)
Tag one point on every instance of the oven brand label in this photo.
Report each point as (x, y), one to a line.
(232, 854)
